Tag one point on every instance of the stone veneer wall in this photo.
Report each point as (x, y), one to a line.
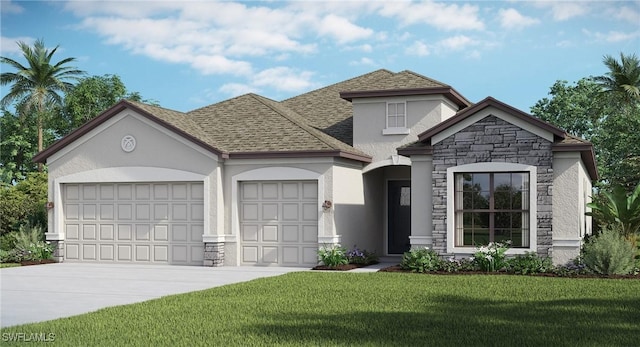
(214, 254)
(493, 140)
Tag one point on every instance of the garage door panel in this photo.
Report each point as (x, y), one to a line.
(72, 251)
(72, 232)
(139, 222)
(196, 233)
(89, 192)
(89, 232)
(309, 233)
(270, 254)
(160, 253)
(125, 252)
(143, 232)
(107, 212)
(290, 233)
(89, 251)
(107, 192)
(107, 232)
(143, 253)
(269, 211)
(107, 252)
(278, 223)
(270, 233)
(125, 192)
(124, 232)
(250, 254)
(290, 212)
(249, 232)
(179, 233)
(161, 233)
(89, 212)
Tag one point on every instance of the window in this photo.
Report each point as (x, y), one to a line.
(492, 207)
(396, 115)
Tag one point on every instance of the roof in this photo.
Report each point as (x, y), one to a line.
(175, 121)
(563, 142)
(252, 124)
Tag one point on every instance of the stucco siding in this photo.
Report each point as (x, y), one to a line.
(421, 201)
(369, 121)
(350, 213)
(572, 190)
(159, 155)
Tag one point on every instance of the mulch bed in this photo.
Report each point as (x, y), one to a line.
(397, 268)
(346, 267)
(37, 262)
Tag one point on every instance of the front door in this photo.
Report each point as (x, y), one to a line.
(398, 216)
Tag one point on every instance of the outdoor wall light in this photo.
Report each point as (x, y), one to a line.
(49, 205)
(326, 205)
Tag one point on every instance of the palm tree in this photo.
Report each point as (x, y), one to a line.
(36, 87)
(623, 78)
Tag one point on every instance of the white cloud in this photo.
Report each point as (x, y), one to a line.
(364, 61)
(418, 48)
(342, 30)
(512, 19)
(236, 89)
(283, 79)
(10, 7)
(564, 10)
(9, 45)
(625, 13)
(456, 43)
(444, 16)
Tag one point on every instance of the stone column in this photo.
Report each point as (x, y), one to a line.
(213, 254)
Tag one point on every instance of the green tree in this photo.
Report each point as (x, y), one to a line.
(17, 146)
(37, 86)
(613, 127)
(91, 96)
(24, 203)
(622, 80)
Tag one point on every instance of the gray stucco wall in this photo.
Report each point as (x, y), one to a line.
(493, 140)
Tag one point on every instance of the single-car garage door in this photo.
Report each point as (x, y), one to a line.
(134, 222)
(279, 223)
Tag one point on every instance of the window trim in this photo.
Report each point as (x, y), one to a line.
(491, 167)
(397, 130)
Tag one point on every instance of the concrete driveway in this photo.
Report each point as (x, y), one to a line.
(43, 292)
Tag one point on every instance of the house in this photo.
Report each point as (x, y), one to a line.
(385, 161)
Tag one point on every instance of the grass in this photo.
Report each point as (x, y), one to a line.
(370, 309)
(2, 265)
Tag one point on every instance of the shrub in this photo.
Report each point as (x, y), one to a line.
(492, 257)
(30, 244)
(456, 265)
(361, 257)
(529, 263)
(8, 241)
(421, 260)
(609, 253)
(24, 203)
(333, 255)
(572, 268)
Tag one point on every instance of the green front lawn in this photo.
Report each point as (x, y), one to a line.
(400, 309)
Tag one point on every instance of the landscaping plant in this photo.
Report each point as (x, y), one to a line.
(29, 245)
(333, 255)
(361, 257)
(618, 210)
(492, 257)
(609, 253)
(421, 260)
(528, 264)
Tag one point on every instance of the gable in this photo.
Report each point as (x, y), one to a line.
(152, 146)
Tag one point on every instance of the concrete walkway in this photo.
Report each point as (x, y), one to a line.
(38, 293)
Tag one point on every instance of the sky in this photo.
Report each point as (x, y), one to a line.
(189, 54)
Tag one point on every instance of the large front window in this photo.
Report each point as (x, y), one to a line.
(492, 207)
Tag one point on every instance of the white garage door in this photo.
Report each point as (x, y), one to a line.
(279, 223)
(134, 222)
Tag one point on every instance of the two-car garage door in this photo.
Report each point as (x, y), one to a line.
(134, 222)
